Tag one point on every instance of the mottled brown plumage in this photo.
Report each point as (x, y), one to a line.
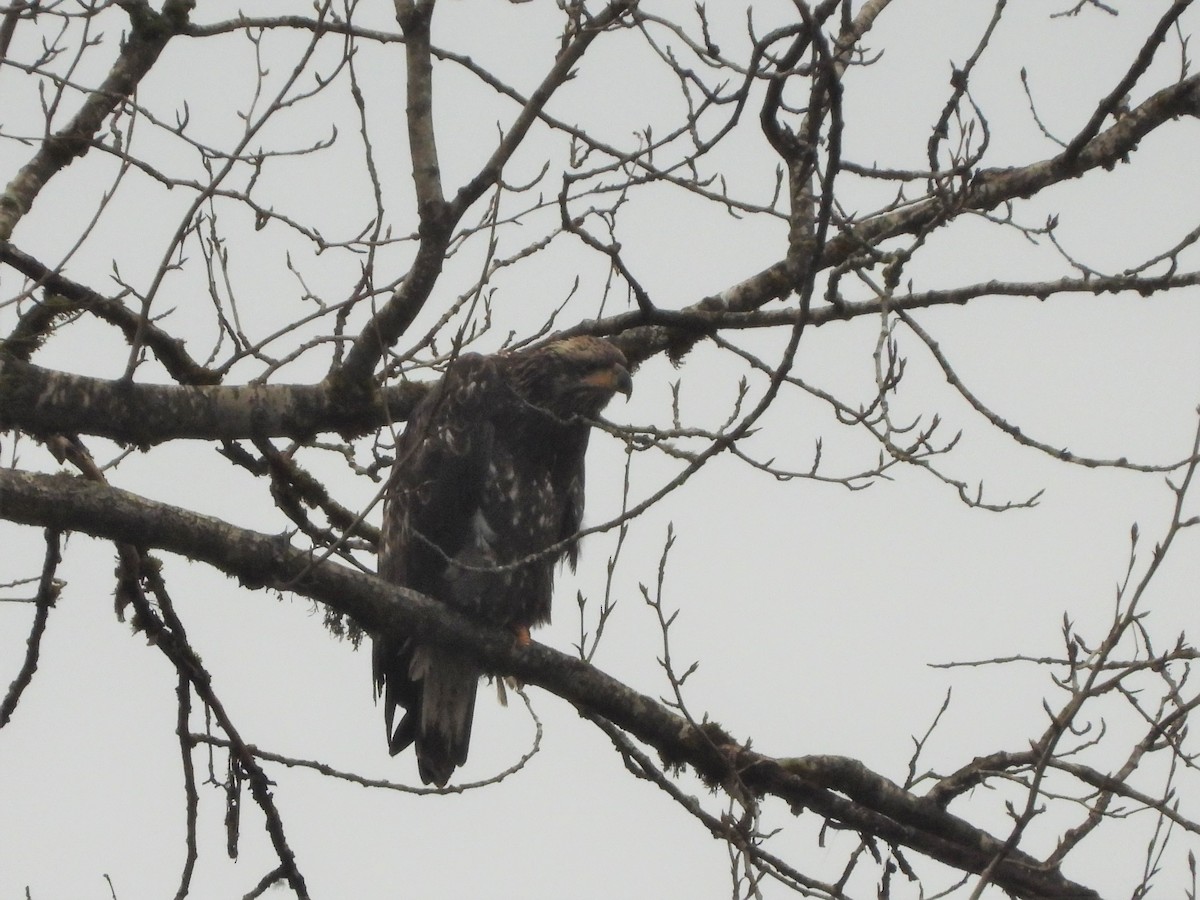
(489, 471)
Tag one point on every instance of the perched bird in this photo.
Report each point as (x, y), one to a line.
(489, 471)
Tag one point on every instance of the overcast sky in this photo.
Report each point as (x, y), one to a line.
(815, 612)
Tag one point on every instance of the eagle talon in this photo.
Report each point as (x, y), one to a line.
(522, 635)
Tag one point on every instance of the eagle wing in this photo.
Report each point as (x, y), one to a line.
(432, 526)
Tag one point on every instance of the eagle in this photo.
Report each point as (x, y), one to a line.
(484, 500)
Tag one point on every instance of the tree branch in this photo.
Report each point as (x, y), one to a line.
(987, 190)
(871, 804)
(150, 33)
(44, 401)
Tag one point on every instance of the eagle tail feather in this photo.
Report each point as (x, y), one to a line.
(439, 723)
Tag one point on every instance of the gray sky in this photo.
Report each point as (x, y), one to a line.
(815, 611)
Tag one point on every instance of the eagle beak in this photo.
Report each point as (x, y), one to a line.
(615, 379)
(622, 380)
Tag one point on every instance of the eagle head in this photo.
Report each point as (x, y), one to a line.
(575, 376)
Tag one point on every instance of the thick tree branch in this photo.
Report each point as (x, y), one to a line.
(871, 804)
(414, 19)
(44, 401)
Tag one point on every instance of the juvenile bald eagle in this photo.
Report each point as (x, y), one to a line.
(488, 471)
